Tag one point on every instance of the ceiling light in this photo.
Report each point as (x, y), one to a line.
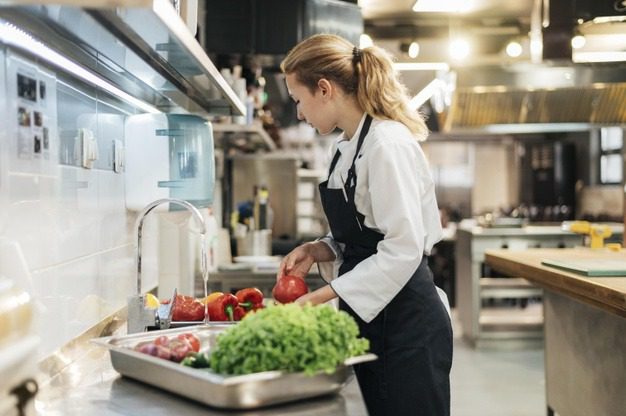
(459, 49)
(442, 6)
(514, 49)
(414, 50)
(609, 56)
(578, 41)
(421, 66)
(365, 41)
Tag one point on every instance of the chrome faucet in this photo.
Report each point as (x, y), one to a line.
(140, 317)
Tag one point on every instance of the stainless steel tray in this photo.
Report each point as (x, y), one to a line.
(235, 392)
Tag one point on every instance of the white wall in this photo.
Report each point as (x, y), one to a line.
(65, 234)
(495, 177)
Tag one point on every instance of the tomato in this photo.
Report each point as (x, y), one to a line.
(162, 340)
(179, 349)
(187, 308)
(193, 340)
(289, 288)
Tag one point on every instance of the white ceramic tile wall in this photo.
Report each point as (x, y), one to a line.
(65, 233)
(70, 225)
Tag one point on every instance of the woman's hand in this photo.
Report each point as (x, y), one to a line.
(297, 263)
(321, 295)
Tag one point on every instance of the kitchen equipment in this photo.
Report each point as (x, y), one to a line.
(236, 392)
(548, 179)
(255, 243)
(169, 156)
(596, 232)
(140, 317)
(279, 175)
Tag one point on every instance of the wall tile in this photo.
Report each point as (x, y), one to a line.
(115, 222)
(24, 216)
(68, 301)
(117, 278)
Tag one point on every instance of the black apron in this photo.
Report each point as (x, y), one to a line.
(412, 335)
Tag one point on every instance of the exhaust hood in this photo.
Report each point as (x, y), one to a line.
(536, 98)
(272, 27)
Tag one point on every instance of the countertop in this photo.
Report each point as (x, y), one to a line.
(473, 228)
(88, 385)
(608, 293)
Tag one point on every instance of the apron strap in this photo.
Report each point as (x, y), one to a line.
(364, 130)
(333, 163)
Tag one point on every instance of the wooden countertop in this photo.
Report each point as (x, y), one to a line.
(608, 293)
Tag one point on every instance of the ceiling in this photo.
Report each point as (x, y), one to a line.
(538, 89)
(487, 24)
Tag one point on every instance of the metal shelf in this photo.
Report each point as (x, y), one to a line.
(247, 130)
(514, 322)
(141, 47)
(505, 287)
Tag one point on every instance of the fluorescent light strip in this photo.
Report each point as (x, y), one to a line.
(421, 66)
(425, 94)
(579, 56)
(442, 6)
(12, 35)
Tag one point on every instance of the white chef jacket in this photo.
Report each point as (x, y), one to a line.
(396, 194)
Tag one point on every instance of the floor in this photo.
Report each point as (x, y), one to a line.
(496, 382)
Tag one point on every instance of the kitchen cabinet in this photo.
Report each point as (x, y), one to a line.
(502, 310)
(585, 322)
(141, 48)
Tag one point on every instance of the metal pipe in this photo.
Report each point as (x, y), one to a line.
(139, 227)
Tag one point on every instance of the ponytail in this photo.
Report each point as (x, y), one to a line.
(367, 74)
(381, 94)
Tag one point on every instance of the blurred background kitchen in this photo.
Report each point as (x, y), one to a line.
(106, 110)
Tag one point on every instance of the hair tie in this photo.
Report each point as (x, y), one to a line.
(356, 54)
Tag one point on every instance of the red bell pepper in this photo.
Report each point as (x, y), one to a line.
(239, 313)
(223, 308)
(250, 298)
(187, 308)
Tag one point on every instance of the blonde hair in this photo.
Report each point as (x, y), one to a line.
(366, 73)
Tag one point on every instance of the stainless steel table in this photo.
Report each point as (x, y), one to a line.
(90, 386)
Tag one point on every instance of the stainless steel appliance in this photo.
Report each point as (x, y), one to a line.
(279, 174)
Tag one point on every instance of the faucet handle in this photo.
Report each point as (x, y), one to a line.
(139, 317)
(165, 312)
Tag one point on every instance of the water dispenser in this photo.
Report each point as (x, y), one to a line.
(169, 156)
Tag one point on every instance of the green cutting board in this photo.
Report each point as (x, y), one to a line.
(590, 267)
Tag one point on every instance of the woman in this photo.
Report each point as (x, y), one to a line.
(379, 200)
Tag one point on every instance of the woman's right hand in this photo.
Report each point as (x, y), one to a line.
(298, 262)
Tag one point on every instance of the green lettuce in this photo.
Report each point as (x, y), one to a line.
(290, 338)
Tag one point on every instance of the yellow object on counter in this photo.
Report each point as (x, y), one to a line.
(596, 232)
(151, 301)
(613, 246)
(211, 297)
